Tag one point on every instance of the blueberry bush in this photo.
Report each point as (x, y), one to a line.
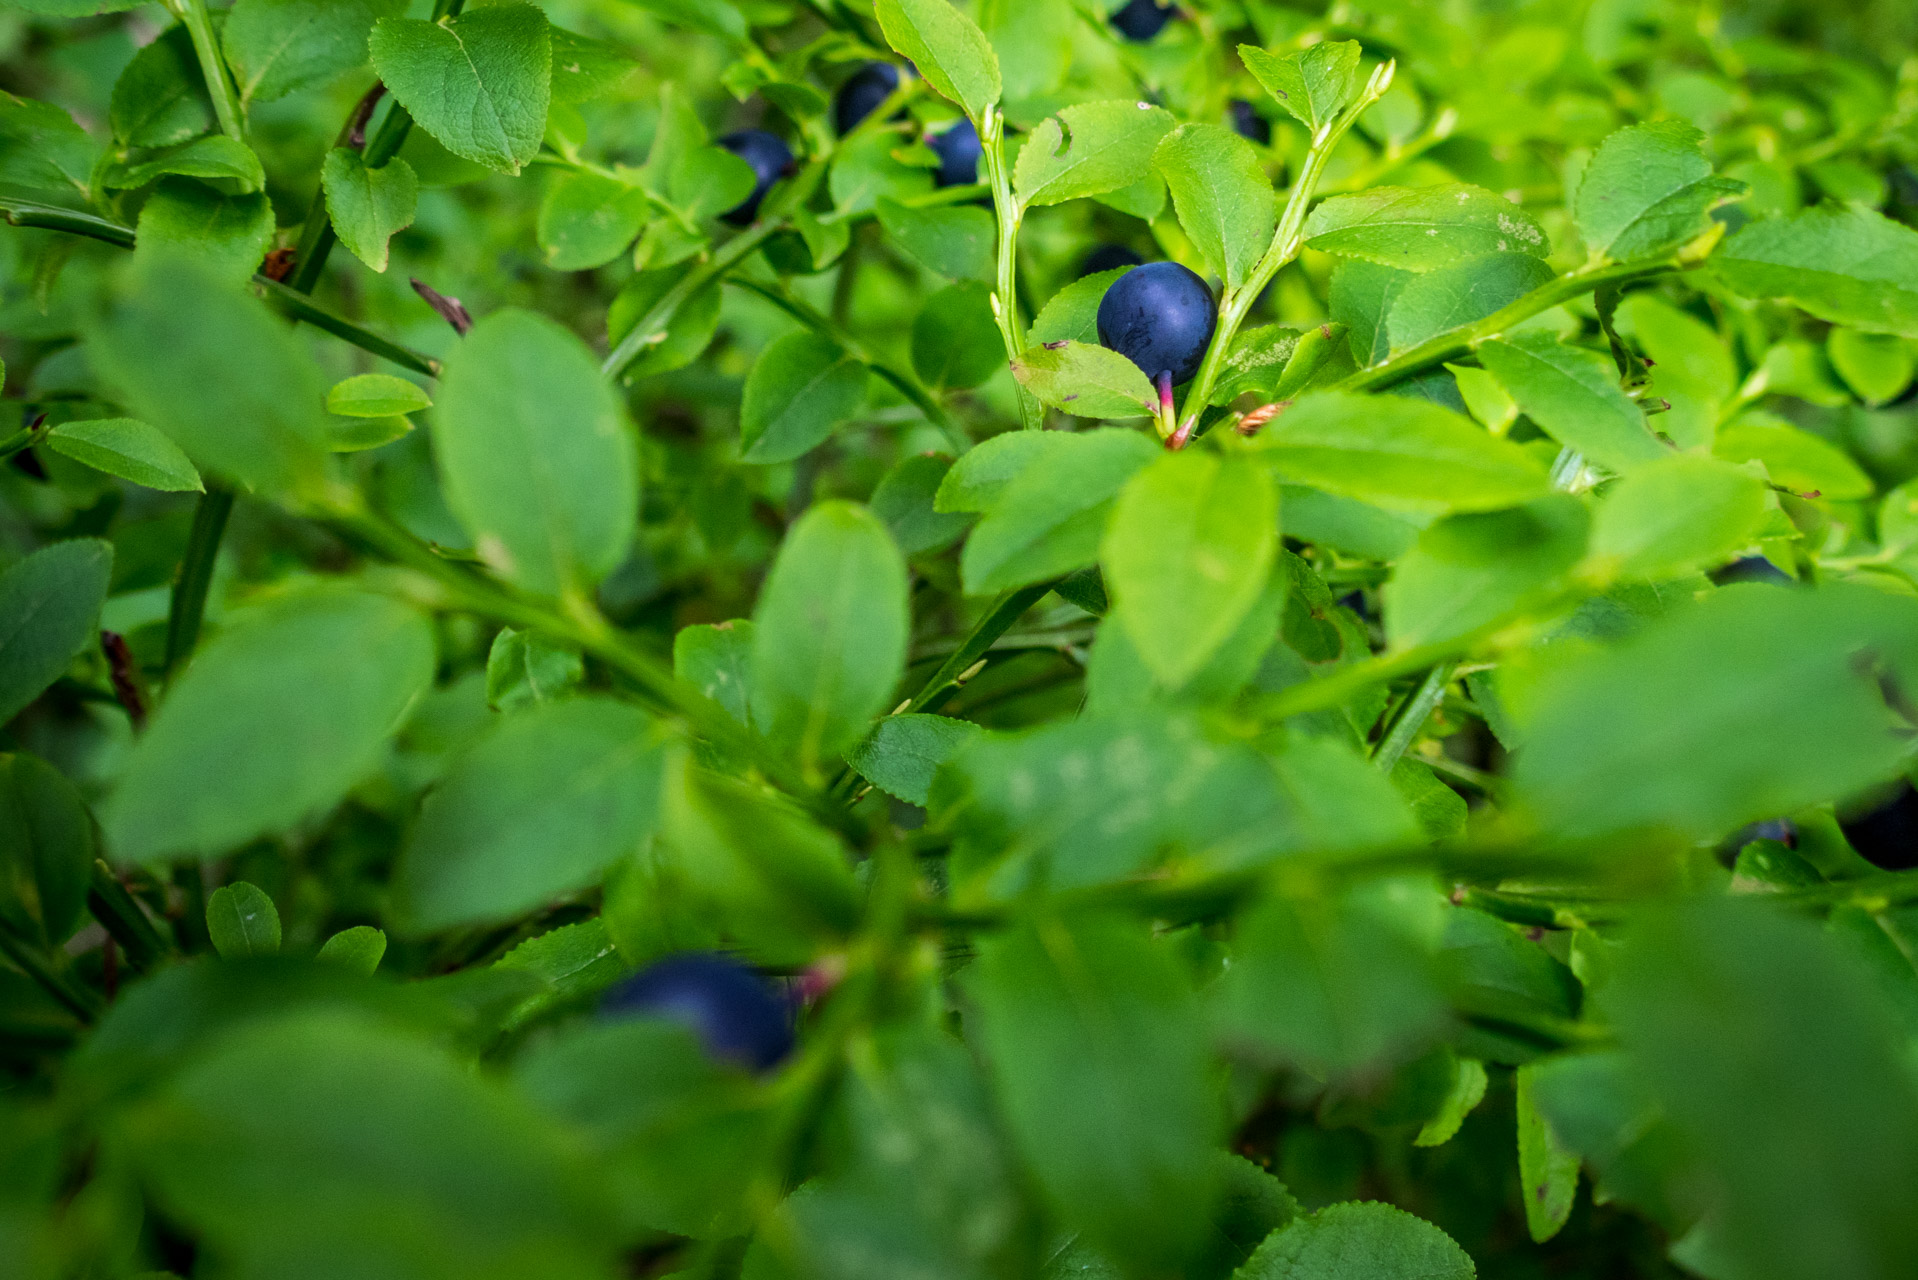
(875, 639)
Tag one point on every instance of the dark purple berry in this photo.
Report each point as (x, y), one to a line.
(737, 1015)
(1160, 317)
(1887, 836)
(1108, 257)
(1142, 19)
(771, 159)
(862, 93)
(958, 151)
(1752, 569)
(1248, 123)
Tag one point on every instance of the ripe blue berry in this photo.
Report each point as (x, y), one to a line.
(1108, 257)
(1142, 19)
(1248, 123)
(735, 1013)
(1887, 836)
(771, 159)
(862, 93)
(959, 152)
(1752, 569)
(1160, 317)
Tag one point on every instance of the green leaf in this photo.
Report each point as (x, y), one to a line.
(160, 98)
(278, 46)
(904, 500)
(1468, 1090)
(1398, 453)
(1223, 198)
(1752, 702)
(368, 206)
(1369, 1240)
(129, 449)
(947, 47)
(1072, 314)
(958, 242)
(1878, 367)
(376, 395)
(479, 83)
(217, 372)
(1677, 516)
(585, 69)
(1258, 359)
(49, 612)
(587, 219)
(1647, 190)
(688, 333)
(1574, 394)
(801, 388)
(870, 167)
(538, 808)
(1419, 228)
(1472, 571)
(42, 147)
(352, 435)
(535, 453)
(1088, 150)
(1087, 380)
(524, 667)
(1785, 1075)
(1354, 527)
(1186, 555)
(715, 17)
(281, 1143)
(227, 234)
(269, 725)
(1842, 263)
(242, 921)
(716, 660)
(1794, 457)
(1362, 295)
(359, 949)
(955, 340)
(902, 753)
(829, 633)
(1454, 296)
(46, 849)
(1051, 518)
(1095, 1041)
(1033, 40)
(980, 478)
(1315, 84)
(1547, 1172)
(1694, 374)
(216, 157)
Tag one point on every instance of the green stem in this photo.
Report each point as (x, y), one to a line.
(190, 930)
(219, 85)
(20, 441)
(122, 917)
(81, 1003)
(652, 327)
(28, 213)
(1008, 609)
(1005, 298)
(188, 606)
(1418, 709)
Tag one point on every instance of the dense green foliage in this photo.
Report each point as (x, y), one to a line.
(1389, 808)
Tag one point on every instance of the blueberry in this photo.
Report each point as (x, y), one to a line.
(1108, 257)
(1248, 123)
(1142, 19)
(771, 159)
(958, 152)
(735, 1013)
(1160, 317)
(1887, 836)
(1751, 569)
(862, 93)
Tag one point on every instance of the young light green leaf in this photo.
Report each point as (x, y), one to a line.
(1186, 555)
(216, 157)
(1574, 395)
(802, 386)
(1088, 150)
(1472, 571)
(540, 807)
(49, 609)
(355, 435)
(524, 668)
(242, 921)
(955, 340)
(46, 849)
(368, 206)
(278, 46)
(902, 753)
(1877, 366)
(1679, 515)
(948, 48)
(42, 147)
(1648, 190)
(224, 233)
(1467, 1091)
(957, 242)
(1453, 296)
(587, 219)
(1849, 265)
(160, 99)
(1794, 457)
(1223, 198)
(1694, 370)
(1367, 1239)
(1049, 520)
(292, 726)
(1547, 1172)
(479, 83)
(1419, 228)
(376, 395)
(129, 449)
(1398, 453)
(1087, 380)
(1315, 84)
(359, 949)
(829, 634)
(535, 453)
